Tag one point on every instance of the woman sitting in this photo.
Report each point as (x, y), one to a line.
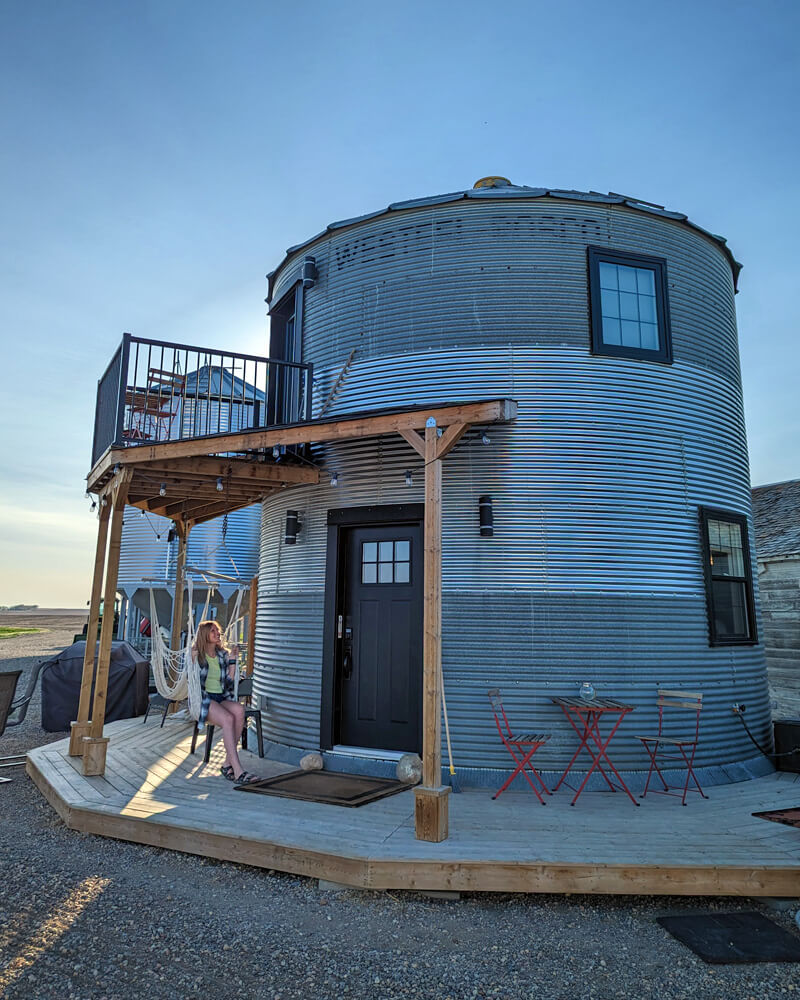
(219, 707)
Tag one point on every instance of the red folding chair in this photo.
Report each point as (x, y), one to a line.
(677, 750)
(521, 747)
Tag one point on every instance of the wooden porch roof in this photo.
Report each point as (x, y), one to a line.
(189, 472)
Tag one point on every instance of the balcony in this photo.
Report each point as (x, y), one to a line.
(153, 392)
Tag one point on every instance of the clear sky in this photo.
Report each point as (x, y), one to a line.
(158, 156)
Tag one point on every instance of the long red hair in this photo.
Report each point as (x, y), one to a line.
(202, 640)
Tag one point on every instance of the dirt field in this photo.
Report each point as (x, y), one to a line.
(90, 918)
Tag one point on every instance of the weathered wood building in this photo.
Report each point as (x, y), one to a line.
(776, 518)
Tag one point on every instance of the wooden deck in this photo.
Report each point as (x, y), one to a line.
(155, 792)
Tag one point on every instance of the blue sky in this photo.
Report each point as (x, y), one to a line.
(157, 158)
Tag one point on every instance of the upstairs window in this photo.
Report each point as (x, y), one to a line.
(729, 584)
(628, 298)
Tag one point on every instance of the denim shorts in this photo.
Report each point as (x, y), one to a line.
(216, 697)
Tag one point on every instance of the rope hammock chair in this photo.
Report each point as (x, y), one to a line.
(176, 671)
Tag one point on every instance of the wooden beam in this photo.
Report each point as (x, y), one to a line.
(203, 510)
(251, 626)
(371, 425)
(94, 745)
(182, 528)
(450, 438)
(416, 441)
(431, 798)
(80, 727)
(242, 469)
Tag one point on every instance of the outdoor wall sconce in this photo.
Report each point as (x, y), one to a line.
(309, 272)
(486, 516)
(294, 525)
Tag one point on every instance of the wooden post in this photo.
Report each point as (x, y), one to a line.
(251, 627)
(95, 744)
(80, 727)
(182, 528)
(431, 797)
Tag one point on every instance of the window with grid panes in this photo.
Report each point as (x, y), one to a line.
(629, 310)
(386, 562)
(729, 584)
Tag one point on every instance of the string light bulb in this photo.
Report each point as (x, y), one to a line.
(485, 439)
(334, 479)
(220, 487)
(409, 478)
(103, 502)
(276, 451)
(162, 491)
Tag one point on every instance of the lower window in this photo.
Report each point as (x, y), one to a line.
(728, 578)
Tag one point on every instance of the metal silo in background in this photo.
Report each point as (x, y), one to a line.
(627, 457)
(222, 552)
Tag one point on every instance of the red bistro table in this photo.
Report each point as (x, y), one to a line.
(585, 716)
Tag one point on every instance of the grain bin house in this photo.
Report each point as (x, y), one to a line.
(502, 429)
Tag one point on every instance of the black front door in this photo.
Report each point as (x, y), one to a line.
(380, 650)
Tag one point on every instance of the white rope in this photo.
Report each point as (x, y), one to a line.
(176, 671)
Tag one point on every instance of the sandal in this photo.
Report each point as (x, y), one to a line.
(246, 778)
(227, 772)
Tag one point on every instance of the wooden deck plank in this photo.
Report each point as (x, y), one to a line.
(157, 793)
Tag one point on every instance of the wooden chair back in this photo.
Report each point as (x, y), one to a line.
(496, 701)
(679, 701)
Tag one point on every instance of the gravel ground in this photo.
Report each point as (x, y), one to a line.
(90, 918)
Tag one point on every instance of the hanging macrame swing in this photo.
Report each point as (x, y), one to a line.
(176, 671)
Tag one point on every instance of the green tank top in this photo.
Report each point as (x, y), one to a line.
(213, 685)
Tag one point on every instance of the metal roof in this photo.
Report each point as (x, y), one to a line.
(216, 381)
(510, 191)
(776, 518)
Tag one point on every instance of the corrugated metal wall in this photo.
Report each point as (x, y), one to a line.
(594, 571)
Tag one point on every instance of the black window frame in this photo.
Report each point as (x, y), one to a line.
(596, 256)
(715, 639)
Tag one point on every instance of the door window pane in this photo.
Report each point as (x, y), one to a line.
(386, 562)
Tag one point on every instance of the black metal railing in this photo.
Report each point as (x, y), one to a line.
(155, 391)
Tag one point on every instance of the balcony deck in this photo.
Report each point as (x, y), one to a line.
(155, 792)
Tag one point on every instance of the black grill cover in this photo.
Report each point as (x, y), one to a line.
(128, 676)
